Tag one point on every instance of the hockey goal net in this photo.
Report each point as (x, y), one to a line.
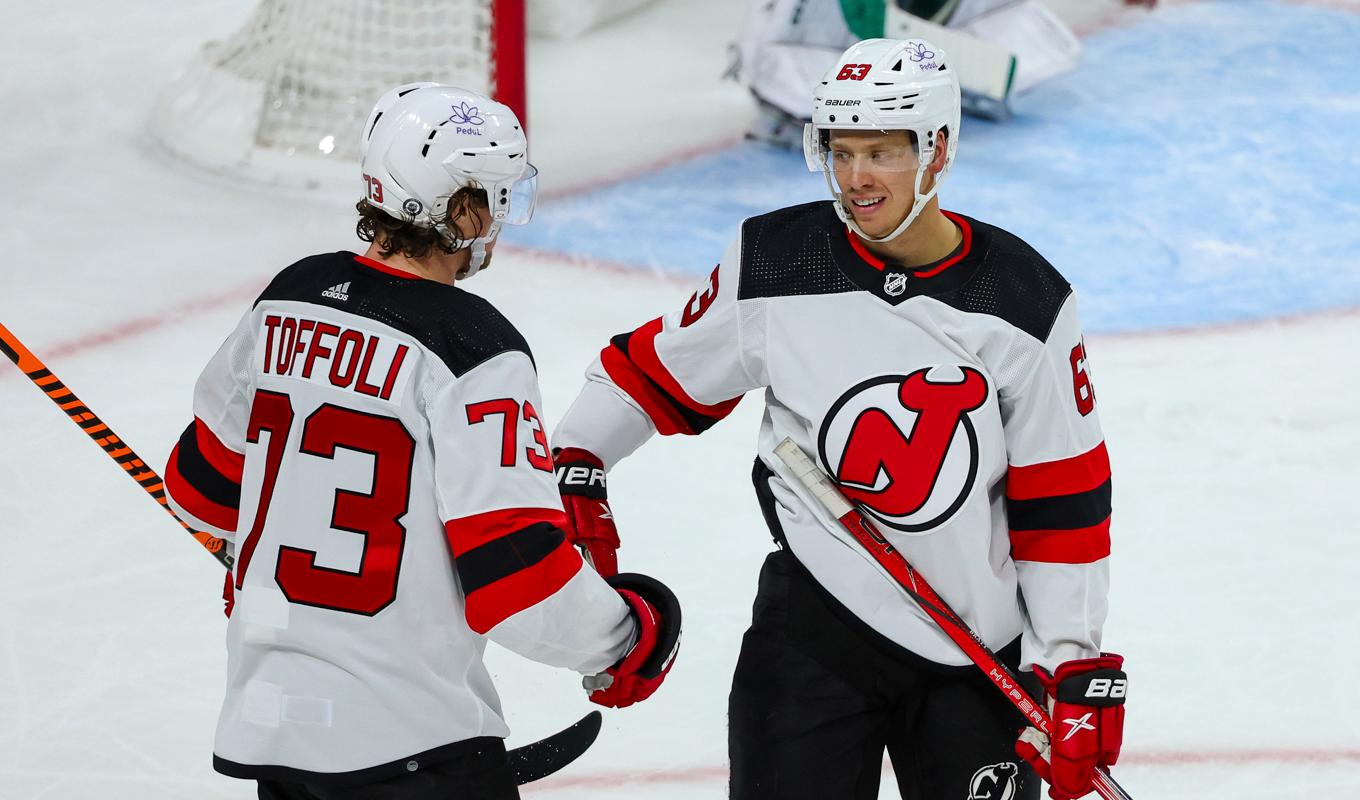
(283, 98)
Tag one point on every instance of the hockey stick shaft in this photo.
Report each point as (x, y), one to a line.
(915, 585)
(102, 435)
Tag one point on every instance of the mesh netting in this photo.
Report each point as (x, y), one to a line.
(298, 79)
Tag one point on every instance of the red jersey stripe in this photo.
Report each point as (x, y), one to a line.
(964, 250)
(1079, 546)
(642, 351)
(189, 498)
(1056, 478)
(632, 380)
(492, 604)
(466, 533)
(877, 263)
(862, 251)
(222, 458)
(383, 268)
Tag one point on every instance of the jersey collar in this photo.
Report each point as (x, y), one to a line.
(959, 253)
(894, 283)
(386, 270)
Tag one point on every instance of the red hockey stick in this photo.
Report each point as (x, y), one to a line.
(830, 498)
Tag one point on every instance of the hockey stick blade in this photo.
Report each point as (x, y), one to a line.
(542, 758)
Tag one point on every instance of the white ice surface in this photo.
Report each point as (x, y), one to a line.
(1234, 453)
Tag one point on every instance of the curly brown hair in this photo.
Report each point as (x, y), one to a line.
(413, 241)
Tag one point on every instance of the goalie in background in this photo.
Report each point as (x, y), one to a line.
(999, 47)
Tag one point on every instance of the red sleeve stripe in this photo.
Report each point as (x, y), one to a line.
(508, 560)
(631, 379)
(469, 533)
(192, 501)
(1077, 546)
(631, 362)
(642, 351)
(1056, 478)
(222, 458)
(489, 605)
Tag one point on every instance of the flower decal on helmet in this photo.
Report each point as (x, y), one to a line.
(464, 114)
(919, 52)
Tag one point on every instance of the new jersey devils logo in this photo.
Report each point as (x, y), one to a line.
(903, 447)
(997, 782)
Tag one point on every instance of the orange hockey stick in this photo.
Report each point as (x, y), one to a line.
(102, 435)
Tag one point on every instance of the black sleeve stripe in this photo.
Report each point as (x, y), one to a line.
(484, 565)
(1068, 512)
(201, 475)
(698, 423)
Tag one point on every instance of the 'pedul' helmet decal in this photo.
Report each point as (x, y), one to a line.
(886, 85)
(424, 141)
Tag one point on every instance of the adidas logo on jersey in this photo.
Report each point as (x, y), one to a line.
(338, 292)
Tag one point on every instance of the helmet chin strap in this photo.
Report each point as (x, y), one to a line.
(478, 258)
(476, 248)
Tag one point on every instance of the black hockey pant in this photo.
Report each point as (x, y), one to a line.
(481, 775)
(815, 703)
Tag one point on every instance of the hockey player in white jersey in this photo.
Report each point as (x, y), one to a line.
(933, 365)
(368, 441)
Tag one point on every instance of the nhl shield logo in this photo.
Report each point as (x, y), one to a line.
(894, 284)
(996, 782)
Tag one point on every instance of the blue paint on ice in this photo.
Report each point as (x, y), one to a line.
(1202, 166)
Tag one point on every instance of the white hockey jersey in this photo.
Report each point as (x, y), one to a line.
(370, 445)
(953, 402)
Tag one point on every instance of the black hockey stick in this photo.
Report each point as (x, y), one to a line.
(826, 494)
(530, 762)
(546, 756)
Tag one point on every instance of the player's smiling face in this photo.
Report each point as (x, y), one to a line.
(876, 173)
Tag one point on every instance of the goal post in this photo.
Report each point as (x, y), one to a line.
(282, 99)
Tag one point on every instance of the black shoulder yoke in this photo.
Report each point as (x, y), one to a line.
(462, 329)
(1014, 283)
(805, 250)
(789, 252)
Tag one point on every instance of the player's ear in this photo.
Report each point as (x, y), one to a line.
(467, 213)
(937, 163)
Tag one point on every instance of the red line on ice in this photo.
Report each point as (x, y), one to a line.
(1275, 755)
(136, 326)
(146, 323)
(1145, 758)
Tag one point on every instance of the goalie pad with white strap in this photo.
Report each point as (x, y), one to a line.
(1004, 51)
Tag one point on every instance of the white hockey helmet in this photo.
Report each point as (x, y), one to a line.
(886, 85)
(424, 141)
